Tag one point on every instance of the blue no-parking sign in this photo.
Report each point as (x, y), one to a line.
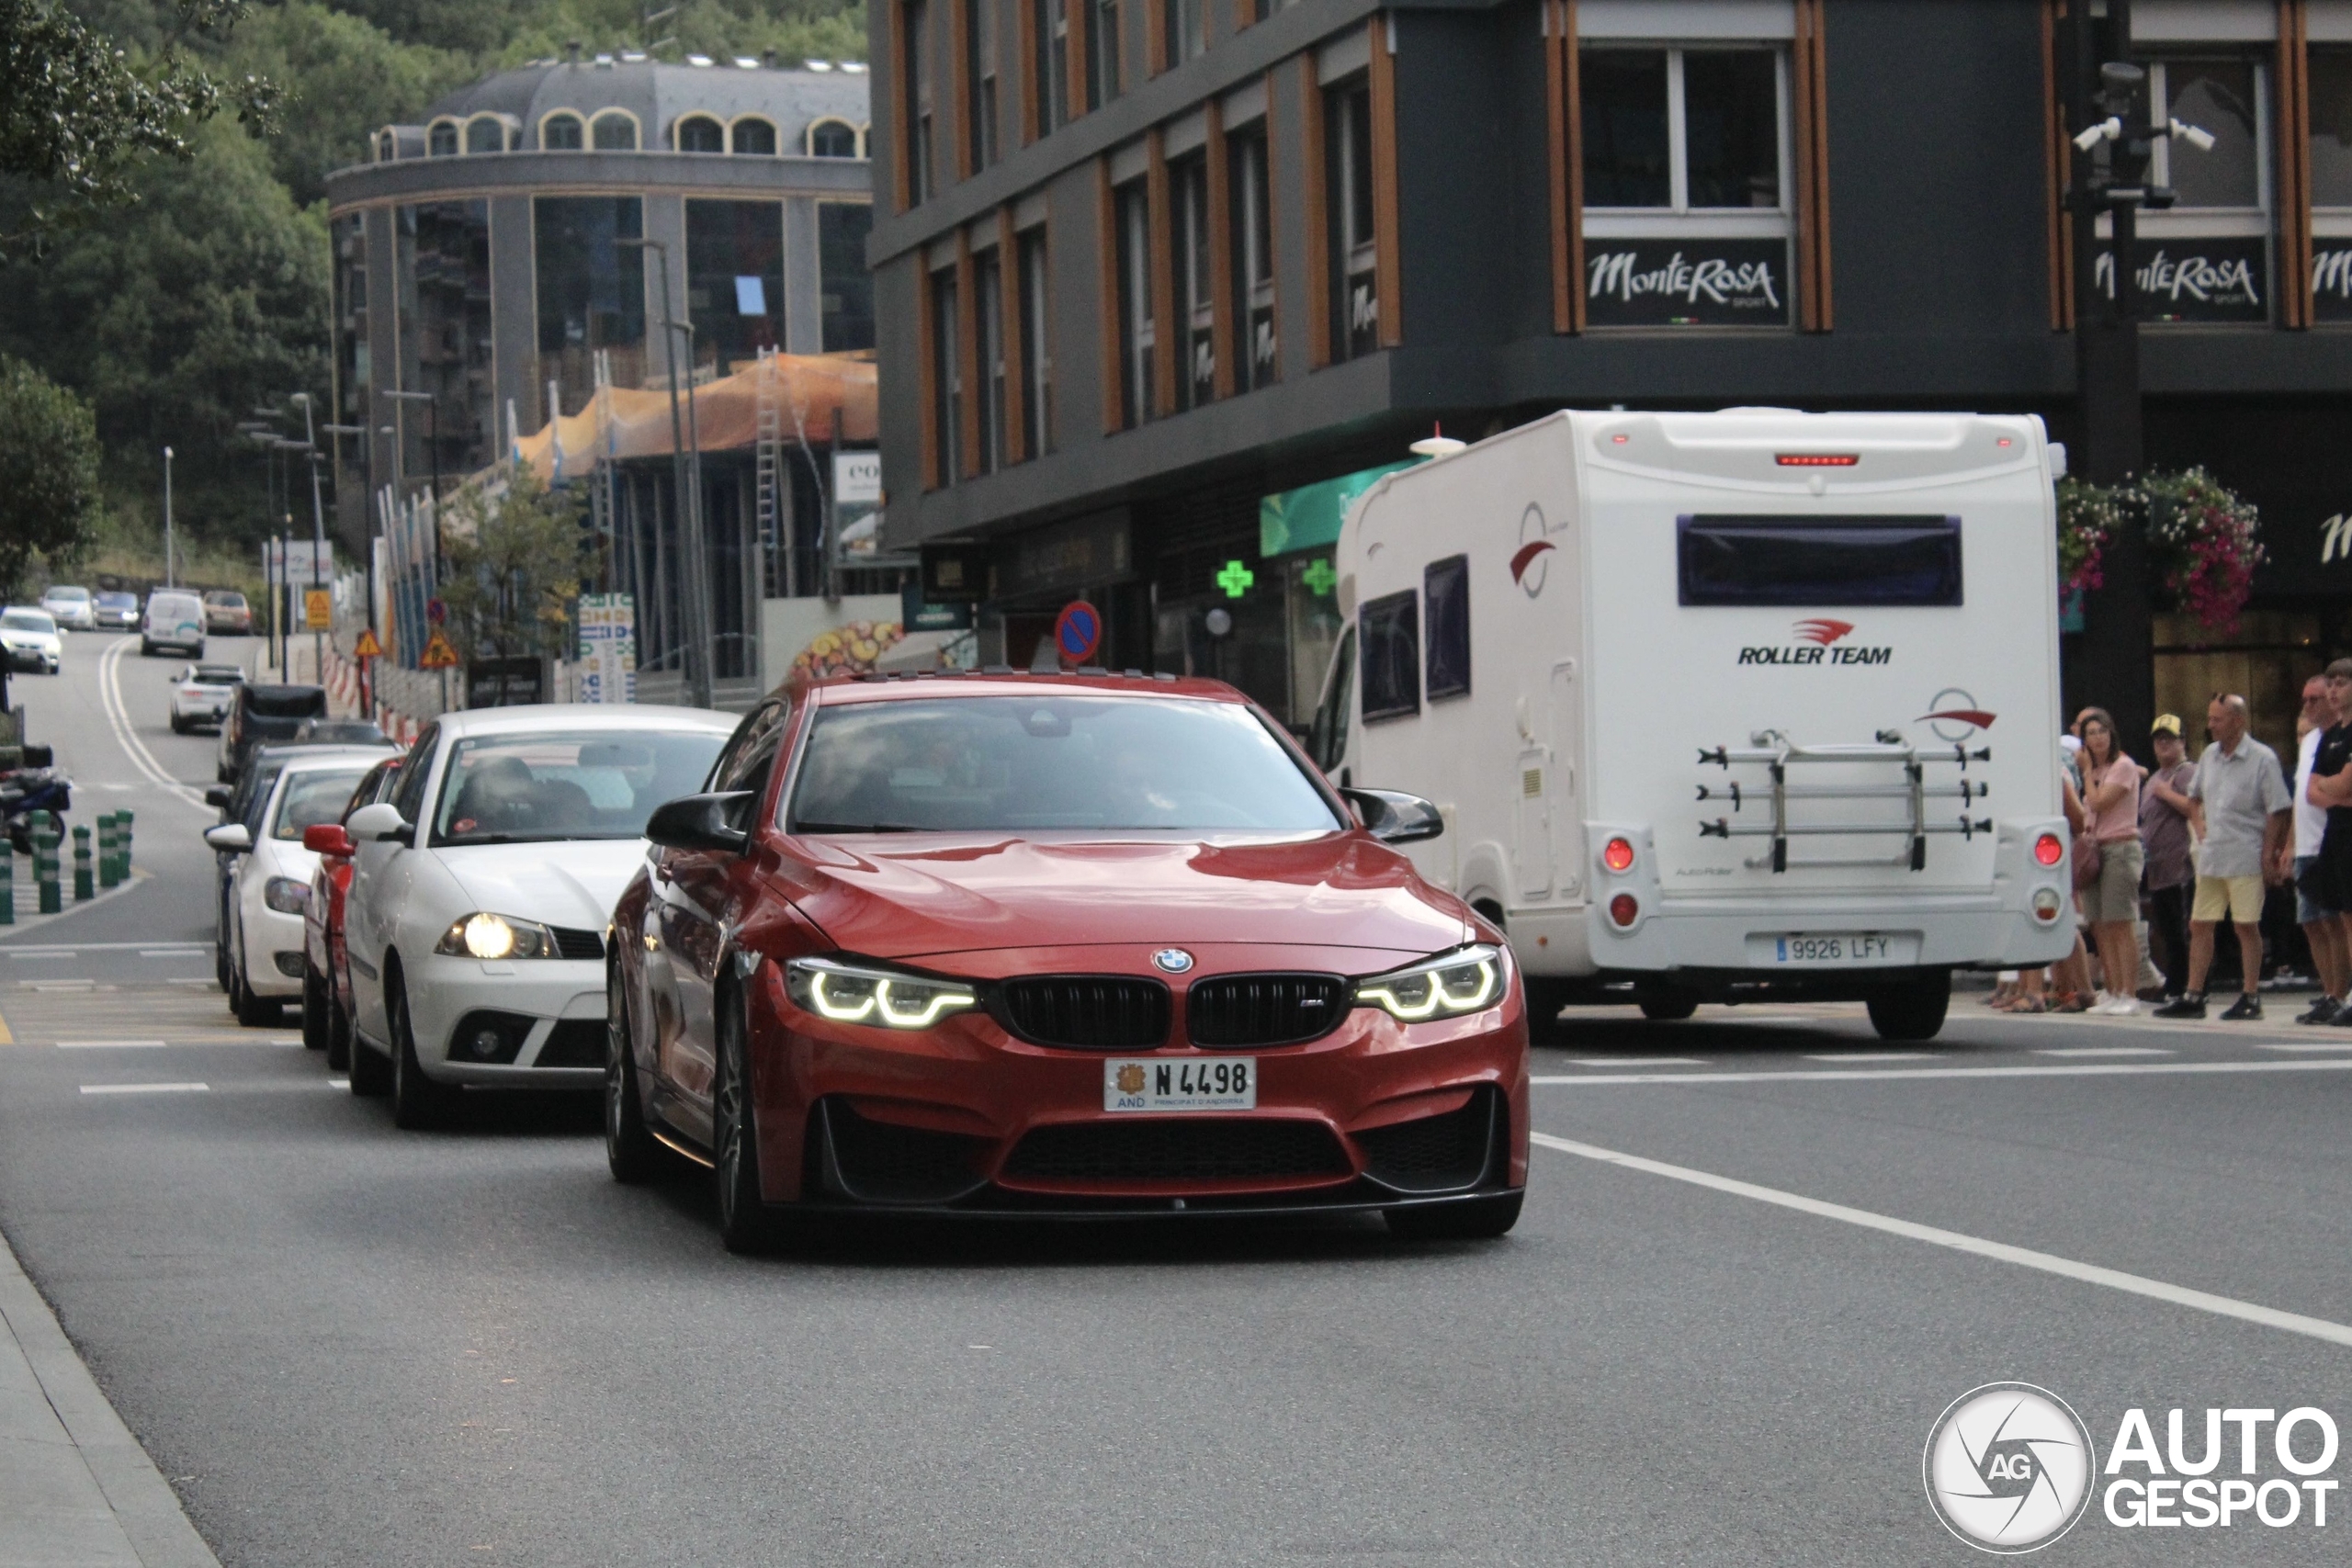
(1077, 631)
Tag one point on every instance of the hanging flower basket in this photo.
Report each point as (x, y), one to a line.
(2088, 516)
(2202, 548)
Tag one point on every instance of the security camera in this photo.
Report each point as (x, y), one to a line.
(2109, 130)
(2200, 139)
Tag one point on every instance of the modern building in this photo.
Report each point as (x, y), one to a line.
(1147, 267)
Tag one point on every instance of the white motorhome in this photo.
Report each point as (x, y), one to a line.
(1723, 707)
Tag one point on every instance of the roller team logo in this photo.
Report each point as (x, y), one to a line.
(1822, 632)
(2009, 1468)
(1818, 641)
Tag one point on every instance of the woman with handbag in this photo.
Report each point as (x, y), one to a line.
(2109, 857)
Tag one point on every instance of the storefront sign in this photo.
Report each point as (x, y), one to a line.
(920, 615)
(2331, 279)
(2221, 279)
(608, 648)
(1687, 283)
(1309, 518)
(952, 572)
(1062, 555)
(516, 681)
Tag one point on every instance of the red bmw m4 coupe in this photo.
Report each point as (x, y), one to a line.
(1055, 946)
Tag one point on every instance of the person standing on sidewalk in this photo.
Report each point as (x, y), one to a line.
(2163, 842)
(2111, 820)
(2242, 811)
(2321, 926)
(2331, 788)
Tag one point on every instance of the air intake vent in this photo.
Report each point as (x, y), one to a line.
(1434, 1154)
(883, 1162)
(1090, 1012)
(1178, 1149)
(572, 942)
(1263, 1010)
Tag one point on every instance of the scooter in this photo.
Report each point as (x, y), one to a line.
(34, 797)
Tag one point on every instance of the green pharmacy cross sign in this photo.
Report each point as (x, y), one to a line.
(1320, 577)
(1236, 579)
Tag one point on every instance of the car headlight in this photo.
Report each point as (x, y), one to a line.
(851, 993)
(486, 935)
(285, 895)
(1452, 984)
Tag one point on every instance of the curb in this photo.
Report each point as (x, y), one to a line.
(107, 1494)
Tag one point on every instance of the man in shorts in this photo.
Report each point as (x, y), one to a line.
(2243, 813)
(2320, 924)
(2163, 830)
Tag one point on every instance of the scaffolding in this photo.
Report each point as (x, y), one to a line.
(775, 551)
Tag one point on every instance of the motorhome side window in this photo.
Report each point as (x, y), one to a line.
(1445, 586)
(1391, 625)
(1327, 739)
(1818, 562)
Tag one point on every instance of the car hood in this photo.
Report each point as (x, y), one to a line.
(918, 895)
(570, 882)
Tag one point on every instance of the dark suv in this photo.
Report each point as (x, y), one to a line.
(261, 715)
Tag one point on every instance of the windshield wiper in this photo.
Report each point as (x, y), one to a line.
(855, 828)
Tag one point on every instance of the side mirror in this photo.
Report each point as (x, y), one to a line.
(1395, 818)
(378, 823)
(701, 822)
(217, 797)
(229, 837)
(328, 838)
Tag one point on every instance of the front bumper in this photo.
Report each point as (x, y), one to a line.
(201, 710)
(546, 1013)
(270, 935)
(965, 1119)
(32, 660)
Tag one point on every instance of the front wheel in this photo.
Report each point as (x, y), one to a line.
(745, 1224)
(314, 1010)
(418, 1102)
(629, 1147)
(253, 1012)
(1669, 1007)
(1913, 1011)
(1475, 1219)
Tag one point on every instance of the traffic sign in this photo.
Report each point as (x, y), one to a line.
(1077, 631)
(368, 647)
(437, 612)
(438, 654)
(318, 610)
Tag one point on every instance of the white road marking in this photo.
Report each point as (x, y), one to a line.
(338, 1083)
(2071, 1070)
(2049, 1263)
(45, 953)
(146, 1088)
(119, 720)
(2103, 1050)
(110, 1044)
(175, 953)
(1877, 1056)
(1637, 1062)
(2298, 1045)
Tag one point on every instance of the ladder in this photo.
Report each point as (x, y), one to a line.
(775, 551)
(1777, 754)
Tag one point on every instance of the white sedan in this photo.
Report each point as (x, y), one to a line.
(71, 607)
(271, 882)
(481, 892)
(30, 639)
(202, 694)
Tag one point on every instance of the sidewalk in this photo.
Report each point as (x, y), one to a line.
(77, 1490)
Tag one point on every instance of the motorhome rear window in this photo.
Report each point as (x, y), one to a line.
(1817, 562)
(1392, 655)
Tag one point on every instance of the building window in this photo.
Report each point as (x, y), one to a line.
(1253, 261)
(1188, 188)
(485, 133)
(1355, 288)
(918, 164)
(560, 133)
(832, 138)
(752, 137)
(734, 281)
(1103, 77)
(615, 132)
(2331, 114)
(988, 314)
(2223, 96)
(982, 94)
(1185, 21)
(441, 258)
(700, 133)
(1052, 30)
(441, 141)
(1037, 346)
(591, 292)
(1138, 338)
(946, 376)
(845, 288)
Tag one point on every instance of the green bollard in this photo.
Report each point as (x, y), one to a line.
(122, 840)
(85, 885)
(7, 883)
(106, 876)
(53, 896)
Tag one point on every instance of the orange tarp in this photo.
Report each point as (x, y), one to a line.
(818, 398)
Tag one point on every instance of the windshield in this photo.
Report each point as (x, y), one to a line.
(68, 595)
(1009, 764)
(225, 600)
(312, 797)
(25, 621)
(119, 601)
(603, 784)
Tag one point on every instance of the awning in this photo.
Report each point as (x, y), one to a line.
(822, 399)
(1309, 517)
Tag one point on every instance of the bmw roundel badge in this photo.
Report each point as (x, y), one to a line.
(1174, 960)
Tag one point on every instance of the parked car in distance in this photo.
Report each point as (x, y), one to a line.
(70, 607)
(271, 882)
(227, 614)
(31, 640)
(203, 694)
(114, 611)
(264, 715)
(340, 732)
(326, 974)
(175, 621)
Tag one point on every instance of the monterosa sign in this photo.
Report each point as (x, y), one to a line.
(2221, 279)
(1685, 283)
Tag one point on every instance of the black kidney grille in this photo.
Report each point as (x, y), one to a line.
(1263, 1010)
(1102, 1012)
(1434, 1154)
(571, 941)
(1178, 1149)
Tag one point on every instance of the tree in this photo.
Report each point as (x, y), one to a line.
(510, 569)
(48, 469)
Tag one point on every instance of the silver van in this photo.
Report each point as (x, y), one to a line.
(174, 623)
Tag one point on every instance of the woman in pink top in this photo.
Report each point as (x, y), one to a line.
(2111, 820)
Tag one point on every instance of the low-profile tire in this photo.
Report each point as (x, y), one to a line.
(179, 725)
(746, 1224)
(253, 1012)
(1476, 1219)
(630, 1148)
(314, 1009)
(1546, 997)
(1669, 1007)
(418, 1102)
(1913, 1011)
(371, 1070)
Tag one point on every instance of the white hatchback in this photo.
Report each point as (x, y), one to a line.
(481, 890)
(71, 607)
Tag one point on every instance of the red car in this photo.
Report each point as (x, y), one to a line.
(1055, 945)
(326, 967)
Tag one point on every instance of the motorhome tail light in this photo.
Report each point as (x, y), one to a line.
(2049, 849)
(1618, 856)
(1624, 908)
(1818, 459)
(2046, 904)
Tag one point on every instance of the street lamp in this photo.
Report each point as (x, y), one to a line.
(167, 518)
(318, 536)
(687, 491)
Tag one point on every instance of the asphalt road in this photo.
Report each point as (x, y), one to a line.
(348, 1345)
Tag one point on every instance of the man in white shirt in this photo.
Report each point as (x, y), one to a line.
(2329, 955)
